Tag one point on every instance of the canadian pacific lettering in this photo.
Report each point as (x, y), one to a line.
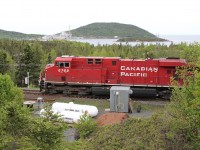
(149, 69)
(134, 74)
(140, 71)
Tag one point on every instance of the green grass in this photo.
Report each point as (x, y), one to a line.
(150, 107)
(147, 110)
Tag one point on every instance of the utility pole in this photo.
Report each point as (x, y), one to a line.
(28, 79)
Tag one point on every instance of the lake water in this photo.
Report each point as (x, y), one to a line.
(176, 39)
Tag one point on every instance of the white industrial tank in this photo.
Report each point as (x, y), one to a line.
(90, 110)
(70, 116)
(67, 116)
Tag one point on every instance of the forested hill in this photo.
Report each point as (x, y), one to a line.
(110, 30)
(123, 32)
(17, 35)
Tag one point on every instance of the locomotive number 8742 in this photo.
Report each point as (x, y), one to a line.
(95, 75)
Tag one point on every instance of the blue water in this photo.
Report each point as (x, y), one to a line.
(182, 38)
(176, 39)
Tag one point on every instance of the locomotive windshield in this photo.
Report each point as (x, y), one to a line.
(63, 64)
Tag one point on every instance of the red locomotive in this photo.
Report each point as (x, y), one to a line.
(95, 75)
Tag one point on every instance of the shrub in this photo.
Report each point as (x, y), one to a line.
(85, 126)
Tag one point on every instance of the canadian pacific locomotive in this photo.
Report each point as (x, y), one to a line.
(95, 75)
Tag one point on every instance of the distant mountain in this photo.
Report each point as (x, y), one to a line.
(123, 32)
(114, 30)
(17, 35)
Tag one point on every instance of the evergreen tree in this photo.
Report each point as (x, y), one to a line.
(19, 129)
(30, 62)
(7, 65)
(38, 63)
(4, 62)
(49, 59)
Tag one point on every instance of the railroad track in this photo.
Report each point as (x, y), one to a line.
(34, 94)
(38, 93)
(30, 91)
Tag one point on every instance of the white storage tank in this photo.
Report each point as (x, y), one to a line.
(70, 116)
(90, 110)
(67, 116)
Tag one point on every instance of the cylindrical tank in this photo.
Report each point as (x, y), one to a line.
(42, 111)
(90, 110)
(67, 116)
(70, 116)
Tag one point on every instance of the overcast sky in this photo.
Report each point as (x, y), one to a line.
(160, 17)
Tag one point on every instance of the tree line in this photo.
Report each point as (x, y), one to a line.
(19, 57)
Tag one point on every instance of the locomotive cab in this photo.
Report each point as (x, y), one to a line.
(54, 76)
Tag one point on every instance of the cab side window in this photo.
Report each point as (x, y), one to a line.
(67, 64)
(114, 63)
(63, 64)
(90, 61)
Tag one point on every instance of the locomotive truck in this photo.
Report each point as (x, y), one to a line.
(95, 75)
